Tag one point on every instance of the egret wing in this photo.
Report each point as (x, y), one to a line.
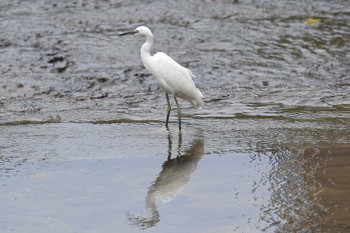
(175, 79)
(167, 65)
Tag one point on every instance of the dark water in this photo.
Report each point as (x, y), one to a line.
(83, 147)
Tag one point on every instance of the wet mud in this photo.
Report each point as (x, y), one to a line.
(268, 152)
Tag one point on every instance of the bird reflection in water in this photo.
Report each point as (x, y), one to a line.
(171, 180)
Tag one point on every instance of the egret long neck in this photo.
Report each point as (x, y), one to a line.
(146, 49)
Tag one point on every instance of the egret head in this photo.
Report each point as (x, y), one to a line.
(142, 30)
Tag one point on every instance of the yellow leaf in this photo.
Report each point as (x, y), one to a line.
(312, 21)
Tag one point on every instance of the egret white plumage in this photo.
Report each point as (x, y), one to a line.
(173, 78)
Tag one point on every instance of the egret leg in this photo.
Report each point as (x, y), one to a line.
(178, 112)
(170, 143)
(179, 145)
(168, 110)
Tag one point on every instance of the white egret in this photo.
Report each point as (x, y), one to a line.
(173, 78)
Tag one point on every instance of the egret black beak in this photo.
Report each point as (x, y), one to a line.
(128, 33)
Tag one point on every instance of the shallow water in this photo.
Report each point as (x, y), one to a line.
(129, 177)
(83, 147)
